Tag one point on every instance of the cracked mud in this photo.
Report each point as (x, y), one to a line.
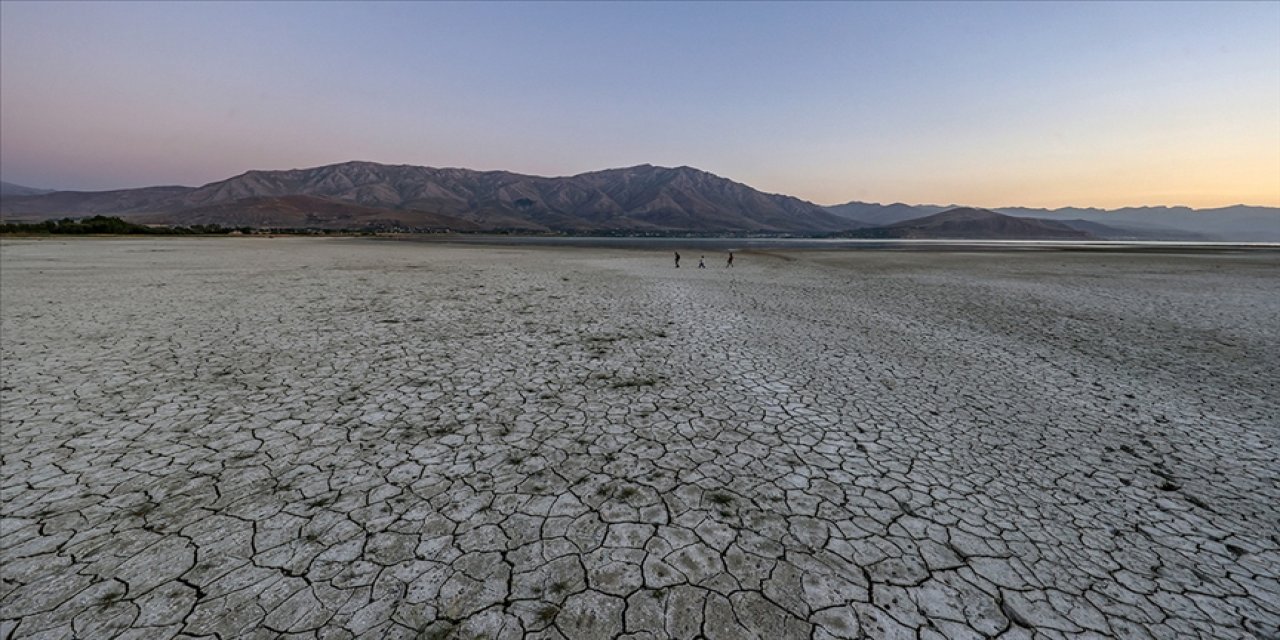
(310, 438)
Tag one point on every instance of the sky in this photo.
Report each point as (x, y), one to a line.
(987, 104)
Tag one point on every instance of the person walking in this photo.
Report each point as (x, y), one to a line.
(730, 262)
(677, 259)
(701, 263)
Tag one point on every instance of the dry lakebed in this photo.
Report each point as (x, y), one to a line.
(359, 438)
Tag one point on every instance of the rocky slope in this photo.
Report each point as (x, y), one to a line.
(306, 212)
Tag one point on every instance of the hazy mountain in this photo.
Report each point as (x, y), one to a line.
(11, 189)
(1112, 231)
(882, 214)
(642, 198)
(60, 204)
(966, 223)
(1237, 223)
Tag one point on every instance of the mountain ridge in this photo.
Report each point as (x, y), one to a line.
(639, 199)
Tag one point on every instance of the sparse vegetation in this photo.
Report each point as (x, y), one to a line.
(110, 597)
(438, 630)
(547, 614)
(720, 499)
(322, 501)
(641, 381)
(443, 429)
(141, 510)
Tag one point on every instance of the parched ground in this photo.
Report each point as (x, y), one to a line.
(340, 438)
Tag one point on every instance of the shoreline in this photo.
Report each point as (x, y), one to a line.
(829, 244)
(727, 243)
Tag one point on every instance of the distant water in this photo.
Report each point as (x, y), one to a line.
(727, 244)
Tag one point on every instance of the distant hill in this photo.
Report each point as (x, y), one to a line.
(1129, 232)
(305, 212)
(11, 189)
(881, 214)
(59, 204)
(965, 223)
(1239, 223)
(644, 198)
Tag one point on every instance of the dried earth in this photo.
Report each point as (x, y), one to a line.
(338, 438)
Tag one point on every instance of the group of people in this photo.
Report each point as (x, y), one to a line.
(702, 261)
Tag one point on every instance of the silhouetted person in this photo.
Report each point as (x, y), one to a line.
(730, 262)
(677, 259)
(701, 264)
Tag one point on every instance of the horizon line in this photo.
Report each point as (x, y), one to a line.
(656, 166)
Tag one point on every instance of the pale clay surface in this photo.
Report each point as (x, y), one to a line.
(310, 438)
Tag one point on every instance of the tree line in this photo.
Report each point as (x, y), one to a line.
(110, 225)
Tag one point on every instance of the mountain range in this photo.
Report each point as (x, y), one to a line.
(636, 199)
(1240, 223)
(641, 199)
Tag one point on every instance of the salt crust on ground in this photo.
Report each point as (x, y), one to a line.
(337, 438)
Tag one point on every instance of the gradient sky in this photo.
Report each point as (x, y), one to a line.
(988, 104)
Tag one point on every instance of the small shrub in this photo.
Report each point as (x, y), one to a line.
(141, 510)
(721, 499)
(547, 614)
